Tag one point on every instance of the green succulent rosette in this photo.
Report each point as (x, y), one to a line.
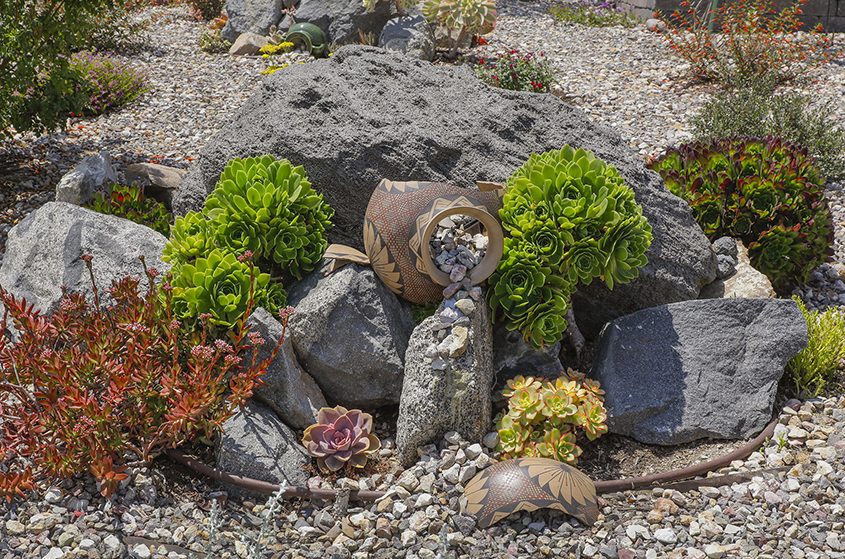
(269, 206)
(569, 218)
(219, 285)
(766, 192)
(190, 238)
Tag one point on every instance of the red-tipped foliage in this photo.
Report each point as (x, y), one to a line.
(91, 386)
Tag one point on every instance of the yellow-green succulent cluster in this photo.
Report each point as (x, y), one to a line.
(569, 218)
(544, 417)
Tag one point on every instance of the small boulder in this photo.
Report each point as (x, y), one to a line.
(287, 389)
(454, 397)
(344, 21)
(410, 34)
(251, 16)
(697, 369)
(256, 444)
(514, 356)
(350, 333)
(248, 44)
(43, 253)
(158, 181)
(93, 174)
(746, 281)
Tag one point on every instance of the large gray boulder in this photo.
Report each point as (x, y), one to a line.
(286, 389)
(390, 116)
(697, 369)
(350, 333)
(410, 34)
(343, 21)
(251, 16)
(91, 175)
(43, 253)
(442, 393)
(255, 443)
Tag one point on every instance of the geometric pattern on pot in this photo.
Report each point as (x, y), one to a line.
(528, 484)
(391, 222)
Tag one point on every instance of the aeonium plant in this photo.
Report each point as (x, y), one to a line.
(341, 438)
(545, 417)
(569, 218)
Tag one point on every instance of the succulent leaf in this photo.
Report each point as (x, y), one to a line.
(341, 438)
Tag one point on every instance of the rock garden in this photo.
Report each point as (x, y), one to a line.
(453, 279)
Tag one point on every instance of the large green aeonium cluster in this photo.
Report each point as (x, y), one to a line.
(570, 218)
(263, 206)
(766, 192)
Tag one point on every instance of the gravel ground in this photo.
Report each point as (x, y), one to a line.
(622, 77)
(793, 506)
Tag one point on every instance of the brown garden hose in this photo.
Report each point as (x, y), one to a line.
(602, 487)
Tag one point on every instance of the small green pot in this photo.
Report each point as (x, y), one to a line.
(307, 36)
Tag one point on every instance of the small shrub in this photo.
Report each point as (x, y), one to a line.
(39, 87)
(544, 418)
(213, 42)
(517, 71)
(91, 385)
(569, 218)
(766, 192)
(813, 368)
(461, 18)
(756, 40)
(130, 203)
(756, 111)
(593, 13)
(206, 10)
(263, 206)
(108, 83)
(341, 439)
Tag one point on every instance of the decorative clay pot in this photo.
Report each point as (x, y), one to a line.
(400, 219)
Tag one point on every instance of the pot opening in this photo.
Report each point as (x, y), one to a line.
(458, 245)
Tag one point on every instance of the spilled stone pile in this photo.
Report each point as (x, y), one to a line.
(458, 246)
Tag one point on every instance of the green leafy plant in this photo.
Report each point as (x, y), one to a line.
(517, 71)
(766, 192)
(461, 18)
(544, 418)
(93, 386)
(593, 14)
(755, 110)
(108, 83)
(39, 86)
(815, 366)
(261, 206)
(130, 203)
(569, 218)
(341, 438)
(756, 40)
(212, 42)
(220, 288)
